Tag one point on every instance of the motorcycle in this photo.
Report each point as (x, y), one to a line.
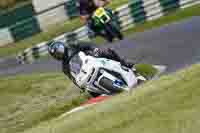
(103, 76)
(105, 22)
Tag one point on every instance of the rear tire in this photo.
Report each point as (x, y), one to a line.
(109, 35)
(120, 36)
(113, 31)
(93, 94)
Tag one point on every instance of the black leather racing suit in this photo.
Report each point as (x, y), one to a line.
(89, 50)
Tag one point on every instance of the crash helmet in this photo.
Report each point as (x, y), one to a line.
(56, 49)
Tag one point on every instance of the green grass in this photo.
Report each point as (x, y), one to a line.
(168, 105)
(28, 100)
(75, 23)
(177, 15)
(8, 5)
(146, 70)
(54, 30)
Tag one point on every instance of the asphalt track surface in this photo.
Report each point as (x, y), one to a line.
(175, 45)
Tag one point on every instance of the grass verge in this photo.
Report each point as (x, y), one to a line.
(170, 104)
(54, 30)
(37, 98)
(146, 70)
(27, 100)
(73, 24)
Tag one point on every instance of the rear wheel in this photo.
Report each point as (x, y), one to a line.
(112, 30)
(109, 34)
(120, 35)
(93, 94)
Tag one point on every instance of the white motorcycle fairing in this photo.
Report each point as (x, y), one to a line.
(88, 74)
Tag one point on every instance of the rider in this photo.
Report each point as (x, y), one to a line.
(63, 53)
(87, 8)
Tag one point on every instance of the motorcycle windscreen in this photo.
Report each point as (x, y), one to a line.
(75, 65)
